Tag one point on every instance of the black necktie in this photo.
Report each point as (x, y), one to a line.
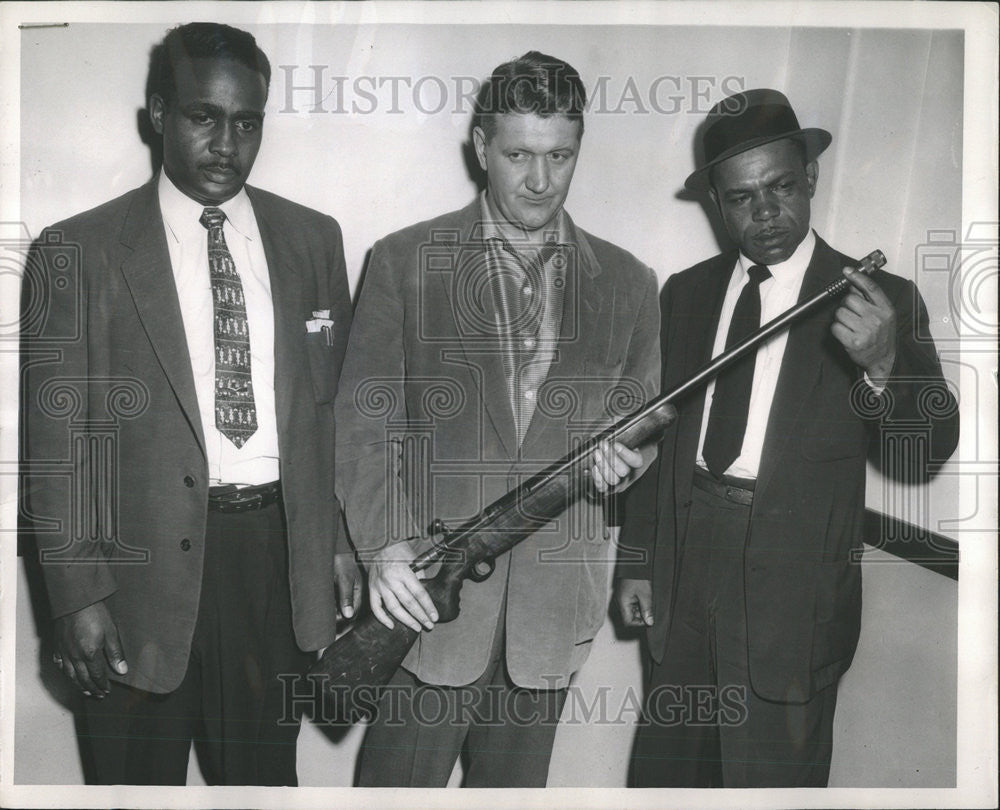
(235, 412)
(727, 420)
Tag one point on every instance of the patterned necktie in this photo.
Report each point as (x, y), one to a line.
(727, 420)
(235, 413)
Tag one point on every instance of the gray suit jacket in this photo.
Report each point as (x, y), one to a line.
(109, 397)
(425, 430)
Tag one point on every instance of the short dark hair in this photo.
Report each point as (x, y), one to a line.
(202, 40)
(531, 84)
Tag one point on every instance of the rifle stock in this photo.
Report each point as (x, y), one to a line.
(370, 653)
(367, 656)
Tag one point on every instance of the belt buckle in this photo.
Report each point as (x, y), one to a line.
(238, 502)
(739, 495)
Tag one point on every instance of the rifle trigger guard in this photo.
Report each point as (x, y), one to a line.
(482, 570)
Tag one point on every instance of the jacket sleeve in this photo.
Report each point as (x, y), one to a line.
(370, 396)
(336, 291)
(915, 395)
(59, 491)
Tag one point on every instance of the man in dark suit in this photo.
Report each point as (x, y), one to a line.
(486, 341)
(748, 525)
(188, 370)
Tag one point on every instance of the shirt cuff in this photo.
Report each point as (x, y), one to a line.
(878, 389)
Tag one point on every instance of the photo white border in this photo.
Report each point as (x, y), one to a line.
(977, 651)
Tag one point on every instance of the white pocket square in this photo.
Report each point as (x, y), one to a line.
(321, 322)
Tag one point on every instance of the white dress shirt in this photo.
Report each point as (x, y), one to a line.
(778, 293)
(187, 242)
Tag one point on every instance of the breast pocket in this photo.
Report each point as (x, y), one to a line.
(322, 367)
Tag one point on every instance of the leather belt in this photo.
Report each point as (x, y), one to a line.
(735, 490)
(229, 498)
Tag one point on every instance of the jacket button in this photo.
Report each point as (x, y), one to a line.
(188, 481)
(185, 544)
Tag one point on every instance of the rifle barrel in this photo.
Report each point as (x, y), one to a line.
(870, 263)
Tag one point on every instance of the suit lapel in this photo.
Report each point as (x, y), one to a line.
(282, 254)
(698, 321)
(469, 297)
(802, 363)
(588, 310)
(150, 280)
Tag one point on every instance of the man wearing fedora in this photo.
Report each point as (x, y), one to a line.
(738, 550)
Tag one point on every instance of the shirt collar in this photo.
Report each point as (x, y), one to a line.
(493, 226)
(789, 272)
(181, 214)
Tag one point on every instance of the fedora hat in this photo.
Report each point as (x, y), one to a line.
(747, 120)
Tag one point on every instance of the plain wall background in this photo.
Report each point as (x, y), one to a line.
(892, 99)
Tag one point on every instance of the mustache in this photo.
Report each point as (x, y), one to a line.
(222, 165)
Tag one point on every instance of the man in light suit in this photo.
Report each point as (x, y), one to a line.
(749, 524)
(192, 559)
(486, 341)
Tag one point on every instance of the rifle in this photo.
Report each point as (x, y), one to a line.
(365, 658)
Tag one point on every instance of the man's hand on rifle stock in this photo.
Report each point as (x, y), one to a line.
(612, 464)
(348, 582)
(394, 589)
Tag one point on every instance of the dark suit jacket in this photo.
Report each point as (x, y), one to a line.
(120, 511)
(425, 430)
(803, 586)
